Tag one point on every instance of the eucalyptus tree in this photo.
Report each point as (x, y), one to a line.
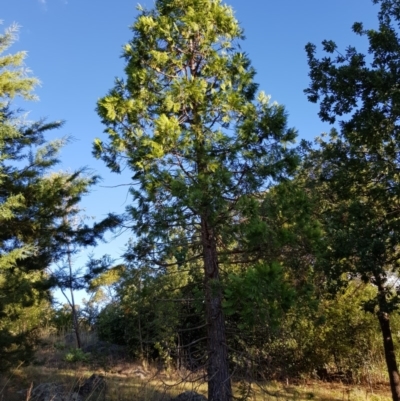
(358, 167)
(188, 124)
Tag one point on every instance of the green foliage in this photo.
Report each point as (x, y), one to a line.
(61, 319)
(19, 330)
(198, 141)
(34, 205)
(258, 296)
(13, 79)
(346, 331)
(154, 314)
(356, 171)
(76, 355)
(111, 324)
(171, 118)
(334, 333)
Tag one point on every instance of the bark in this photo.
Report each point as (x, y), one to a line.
(72, 303)
(219, 382)
(218, 377)
(76, 327)
(388, 345)
(75, 321)
(140, 326)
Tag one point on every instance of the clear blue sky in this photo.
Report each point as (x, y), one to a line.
(74, 48)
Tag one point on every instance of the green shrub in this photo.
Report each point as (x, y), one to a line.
(76, 355)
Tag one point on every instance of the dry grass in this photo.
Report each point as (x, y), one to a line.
(319, 391)
(133, 381)
(124, 388)
(120, 387)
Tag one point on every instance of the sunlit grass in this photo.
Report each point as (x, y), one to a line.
(121, 388)
(124, 383)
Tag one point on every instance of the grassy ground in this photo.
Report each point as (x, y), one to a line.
(133, 381)
(123, 387)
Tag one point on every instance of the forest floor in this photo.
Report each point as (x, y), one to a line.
(55, 362)
(125, 387)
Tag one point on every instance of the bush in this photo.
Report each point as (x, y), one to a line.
(76, 355)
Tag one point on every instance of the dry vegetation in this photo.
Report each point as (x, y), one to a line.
(127, 380)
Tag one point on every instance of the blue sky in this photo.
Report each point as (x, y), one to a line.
(74, 48)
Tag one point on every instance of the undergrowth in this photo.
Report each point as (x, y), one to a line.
(57, 361)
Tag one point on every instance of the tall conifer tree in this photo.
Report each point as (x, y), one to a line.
(187, 123)
(34, 204)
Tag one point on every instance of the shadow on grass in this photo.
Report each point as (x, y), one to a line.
(315, 391)
(16, 385)
(13, 387)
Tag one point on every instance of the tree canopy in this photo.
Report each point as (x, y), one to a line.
(250, 259)
(201, 145)
(357, 170)
(35, 201)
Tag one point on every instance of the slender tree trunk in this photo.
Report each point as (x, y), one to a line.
(388, 345)
(142, 357)
(219, 382)
(75, 321)
(76, 327)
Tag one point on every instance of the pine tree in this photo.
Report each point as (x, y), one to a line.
(187, 123)
(34, 204)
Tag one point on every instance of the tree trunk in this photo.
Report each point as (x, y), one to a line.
(75, 321)
(388, 345)
(219, 382)
(390, 355)
(142, 357)
(76, 327)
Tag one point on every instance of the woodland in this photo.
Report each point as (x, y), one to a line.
(254, 255)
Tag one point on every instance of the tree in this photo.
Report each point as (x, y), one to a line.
(34, 202)
(357, 170)
(186, 122)
(69, 279)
